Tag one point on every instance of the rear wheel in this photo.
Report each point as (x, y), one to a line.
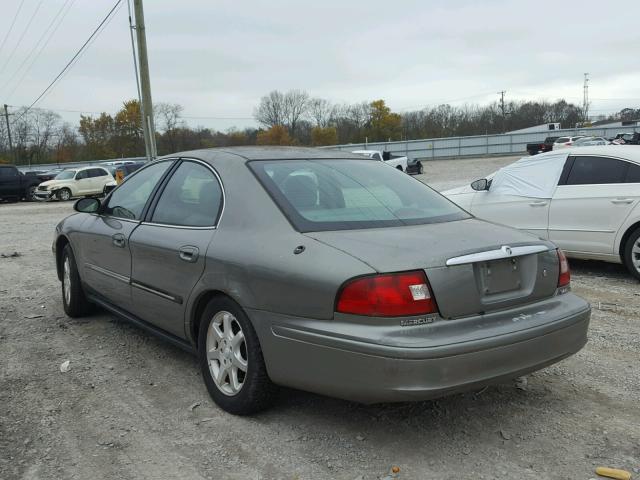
(64, 194)
(74, 301)
(631, 253)
(399, 167)
(231, 359)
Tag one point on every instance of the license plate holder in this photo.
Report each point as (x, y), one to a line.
(500, 276)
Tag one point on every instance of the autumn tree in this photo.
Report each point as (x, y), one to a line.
(324, 136)
(98, 136)
(276, 135)
(383, 124)
(282, 109)
(129, 135)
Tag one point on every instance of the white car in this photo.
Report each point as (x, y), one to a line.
(75, 182)
(586, 200)
(565, 142)
(395, 161)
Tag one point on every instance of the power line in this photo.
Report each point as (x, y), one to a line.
(13, 22)
(24, 32)
(66, 67)
(37, 44)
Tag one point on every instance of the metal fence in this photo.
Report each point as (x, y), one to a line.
(477, 145)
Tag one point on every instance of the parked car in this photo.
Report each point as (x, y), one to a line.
(117, 163)
(119, 173)
(287, 266)
(626, 139)
(586, 200)
(396, 161)
(537, 147)
(565, 142)
(590, 142)
(16, 186)
(75, 182)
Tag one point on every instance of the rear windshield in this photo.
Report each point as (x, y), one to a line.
(319, 195)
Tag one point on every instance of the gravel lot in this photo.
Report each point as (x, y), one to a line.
(131, 406)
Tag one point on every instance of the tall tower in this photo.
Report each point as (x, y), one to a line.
(585, 97)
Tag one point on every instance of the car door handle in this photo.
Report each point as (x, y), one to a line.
(189, 254)
(622, 200)
(118, 240)
(541, 203)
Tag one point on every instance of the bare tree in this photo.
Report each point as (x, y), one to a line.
(272, 109)
(297, 103)
(168, 120)
(321, 112)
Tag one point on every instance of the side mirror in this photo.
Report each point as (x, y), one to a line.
(480, 185)
(87, 205)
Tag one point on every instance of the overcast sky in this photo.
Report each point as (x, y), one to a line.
(217, 58)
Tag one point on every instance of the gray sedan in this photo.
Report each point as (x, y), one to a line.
(318, 270)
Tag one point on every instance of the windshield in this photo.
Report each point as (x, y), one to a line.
(66, 175)
(318, 195)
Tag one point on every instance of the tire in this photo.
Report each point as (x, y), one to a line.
(64, 194)
(31, 194)
(74, 301)
(223, 353)
(420, 168)
(399, 167)
(631, 254)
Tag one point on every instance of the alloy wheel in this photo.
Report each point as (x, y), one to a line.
(226, 351)
(635, 254)
(66, 280)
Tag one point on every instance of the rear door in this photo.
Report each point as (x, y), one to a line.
(591, 202)
(99, 177)
(169, 248)
(106, 255)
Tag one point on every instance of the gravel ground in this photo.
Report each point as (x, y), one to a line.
(131, 406)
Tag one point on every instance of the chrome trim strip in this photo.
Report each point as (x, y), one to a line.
(183, 227)
(580, 230)
(108, 273)
(503, 252)
(148, 289)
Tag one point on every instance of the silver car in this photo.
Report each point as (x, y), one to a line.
(318, 270)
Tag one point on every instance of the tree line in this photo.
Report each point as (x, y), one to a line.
(284, 118)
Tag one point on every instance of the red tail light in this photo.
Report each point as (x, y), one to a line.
(387, 295)
(564, 277)
(569, 143)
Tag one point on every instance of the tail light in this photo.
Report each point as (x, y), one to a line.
(569, 143)
(564, 276)
(387, 295)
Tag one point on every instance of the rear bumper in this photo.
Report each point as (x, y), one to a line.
(356, 369)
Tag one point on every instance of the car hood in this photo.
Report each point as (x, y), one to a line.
(54, 182)
(457, 190)
(423, 246)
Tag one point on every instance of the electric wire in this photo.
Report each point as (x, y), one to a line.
(13, 22)
(24, 32)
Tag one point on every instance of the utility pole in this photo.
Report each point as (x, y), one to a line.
(502, 109)
(145, 83)
(585, 98)
(6, 117)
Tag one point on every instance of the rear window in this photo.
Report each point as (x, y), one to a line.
(562, 140)
(320, 195)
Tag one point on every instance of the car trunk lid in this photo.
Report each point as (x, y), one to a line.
(474, 267)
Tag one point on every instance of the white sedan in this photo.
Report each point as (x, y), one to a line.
(586, 200)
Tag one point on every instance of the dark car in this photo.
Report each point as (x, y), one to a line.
(319, 270)
(541, 147)
(120, 173)
(15, 185)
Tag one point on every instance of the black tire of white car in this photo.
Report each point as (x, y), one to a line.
(63, 194)
(257, 391)
(77, 304)
(628, 253)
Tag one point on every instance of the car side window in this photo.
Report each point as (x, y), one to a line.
(192, 198)
(587, 170)
(376, 156)
(82, 174)
(98, 172)
(633, 174)
(129, 199)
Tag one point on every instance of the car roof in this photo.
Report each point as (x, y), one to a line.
(626, 152)
(268, 153)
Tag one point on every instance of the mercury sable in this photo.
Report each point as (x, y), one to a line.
(318, 270)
